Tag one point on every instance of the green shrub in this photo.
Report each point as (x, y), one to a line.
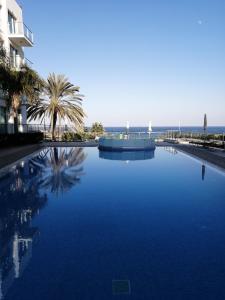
(97, 128)
(89, 136)
(71, 137)
(81, 136)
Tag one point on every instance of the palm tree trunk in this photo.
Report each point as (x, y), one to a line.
(15, 106)
(54, 121)
(15, 121)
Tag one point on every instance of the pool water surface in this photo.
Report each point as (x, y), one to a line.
(76, 223)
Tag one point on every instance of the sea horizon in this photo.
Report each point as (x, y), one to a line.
(193, 129)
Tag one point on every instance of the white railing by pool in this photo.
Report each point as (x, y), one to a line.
(128, 135)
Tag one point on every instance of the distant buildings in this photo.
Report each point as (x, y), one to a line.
(14, 36)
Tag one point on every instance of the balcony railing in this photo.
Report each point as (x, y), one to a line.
(17, 62)
(20, 30)
(28, 33)
(27, 62)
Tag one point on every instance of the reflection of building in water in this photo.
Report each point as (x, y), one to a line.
(127, 155)
(22, 249)
(171, 150)
(22, 195)
(20, 201)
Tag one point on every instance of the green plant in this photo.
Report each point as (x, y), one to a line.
(88, 135)
(71, 136)
(61, 101)
(97, 128)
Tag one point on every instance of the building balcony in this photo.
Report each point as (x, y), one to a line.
(21, 35)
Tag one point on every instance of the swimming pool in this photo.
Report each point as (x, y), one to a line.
(81, 224)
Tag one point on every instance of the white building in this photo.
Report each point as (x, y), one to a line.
(14, 36)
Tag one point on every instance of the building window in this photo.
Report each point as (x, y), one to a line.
(2, 119)
(13, 55)
(12, 23)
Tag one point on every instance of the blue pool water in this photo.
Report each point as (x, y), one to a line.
(79, 224)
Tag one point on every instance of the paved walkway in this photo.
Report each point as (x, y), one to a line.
(12, 154)
(213, 156)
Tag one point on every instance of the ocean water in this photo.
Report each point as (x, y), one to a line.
(82, 224)
(159, 129)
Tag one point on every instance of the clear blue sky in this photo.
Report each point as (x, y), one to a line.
(135, 60)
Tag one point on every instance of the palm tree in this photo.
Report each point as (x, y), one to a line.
(3, 56)
(17, 84)
(61, 101)
(97, 128)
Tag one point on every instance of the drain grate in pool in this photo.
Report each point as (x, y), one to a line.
(121, 287)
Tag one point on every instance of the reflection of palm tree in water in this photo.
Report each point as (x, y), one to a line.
(61, 168)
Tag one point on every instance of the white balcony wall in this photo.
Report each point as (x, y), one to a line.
(9, 6)
(22, 37)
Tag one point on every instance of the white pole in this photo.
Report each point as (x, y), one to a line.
(150, 127)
